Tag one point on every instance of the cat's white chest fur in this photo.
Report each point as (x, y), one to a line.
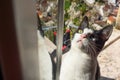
(76, 65)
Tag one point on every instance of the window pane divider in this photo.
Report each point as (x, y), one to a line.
(60, 28)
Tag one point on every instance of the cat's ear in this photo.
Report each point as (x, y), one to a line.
(84, 24)
(106, 32)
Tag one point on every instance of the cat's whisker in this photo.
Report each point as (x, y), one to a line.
(92, 44)
(88, 50)
(92, 50)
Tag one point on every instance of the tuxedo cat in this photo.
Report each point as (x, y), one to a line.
(45, 64)
(80, 62)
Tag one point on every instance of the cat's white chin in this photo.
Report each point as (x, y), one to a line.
(83, 42)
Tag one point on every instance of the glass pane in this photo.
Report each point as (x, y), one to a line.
(47, 10)
(99, 13)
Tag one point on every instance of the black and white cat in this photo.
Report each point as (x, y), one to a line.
(80, 62)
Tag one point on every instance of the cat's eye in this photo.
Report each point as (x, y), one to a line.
(80, 31)
(92, 37)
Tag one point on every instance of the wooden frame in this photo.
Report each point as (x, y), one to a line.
(18, 42)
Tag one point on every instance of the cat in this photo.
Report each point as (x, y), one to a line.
(80, 62)
(45, 63)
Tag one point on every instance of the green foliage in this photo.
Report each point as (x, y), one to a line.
(66, 16)
(49, 34)
(76, 21)
(67, 4)
(83, 8)
(80, 6)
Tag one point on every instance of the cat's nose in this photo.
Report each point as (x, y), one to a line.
(83, 35)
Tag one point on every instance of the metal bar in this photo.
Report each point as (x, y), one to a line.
(60, 35)
(46, 28)
(53, 27)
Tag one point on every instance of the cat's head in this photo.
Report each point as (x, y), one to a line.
(90, 41)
